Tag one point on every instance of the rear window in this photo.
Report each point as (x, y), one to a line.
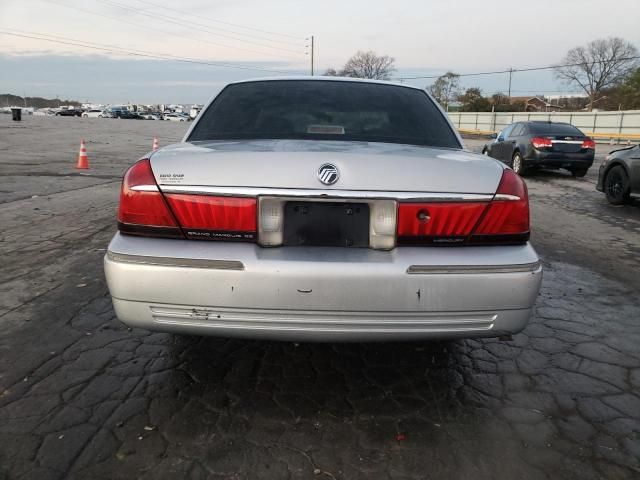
(325, 110)
(554, 129)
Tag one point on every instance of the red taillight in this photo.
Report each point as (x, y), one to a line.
(143, 210)
(589, 143)
(437, 222)
(222, 218)
(506, 220)
(541, 142)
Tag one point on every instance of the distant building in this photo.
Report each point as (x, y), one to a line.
(540, 104)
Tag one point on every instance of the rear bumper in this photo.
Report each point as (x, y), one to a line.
(560, 160)
(321, 294)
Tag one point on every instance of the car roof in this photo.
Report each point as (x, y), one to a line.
(545, 122)
(326, 78)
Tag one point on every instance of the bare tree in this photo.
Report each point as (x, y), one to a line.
(369, 65)
(600, 64)
(445, 89)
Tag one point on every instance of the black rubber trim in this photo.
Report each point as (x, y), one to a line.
(149, 231)
(431, 241)
(507, 239)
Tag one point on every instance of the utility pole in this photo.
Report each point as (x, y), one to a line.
(312, 52)
(510, 73)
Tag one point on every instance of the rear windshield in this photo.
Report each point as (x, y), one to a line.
(554, 129)
(324, 110)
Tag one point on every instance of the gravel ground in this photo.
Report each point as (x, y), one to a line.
(82, 397)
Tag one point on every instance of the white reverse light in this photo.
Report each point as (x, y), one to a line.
(270, 221)
(382, 232)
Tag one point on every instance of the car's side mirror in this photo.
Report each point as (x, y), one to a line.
(501, 138)
(493, 136)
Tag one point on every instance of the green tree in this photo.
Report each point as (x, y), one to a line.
(445, 89)
(629, 92)
(473, 101)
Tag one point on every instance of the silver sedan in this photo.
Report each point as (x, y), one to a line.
(323, 209)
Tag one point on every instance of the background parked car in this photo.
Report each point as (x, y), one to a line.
(93, 113)
(619, 175)
(150, 115)
(69, 112)
(526, 146)
(127, 114)
(176, 117)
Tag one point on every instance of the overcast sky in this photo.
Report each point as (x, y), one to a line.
(426, 37)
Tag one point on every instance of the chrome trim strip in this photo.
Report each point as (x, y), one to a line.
(506, 196)
(145, 188)
(472, 269)
(328, 193)
(575, 142)
(176, 262)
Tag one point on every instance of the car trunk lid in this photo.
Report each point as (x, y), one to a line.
(566, 143)
(294, 164)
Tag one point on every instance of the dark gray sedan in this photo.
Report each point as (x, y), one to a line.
(619, 175)
(526, 146)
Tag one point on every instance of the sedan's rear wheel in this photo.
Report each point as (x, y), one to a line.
(616, 186)
(579, 172)
(517, 163)
(485, 152)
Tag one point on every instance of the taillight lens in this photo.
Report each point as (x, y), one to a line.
(506, 220)
(215, 218)
(437, 222)
(142, 209)
(541, 142)
(589, 143)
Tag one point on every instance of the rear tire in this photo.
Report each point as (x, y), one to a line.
(579, 172)
(616, 186)
(517, 163)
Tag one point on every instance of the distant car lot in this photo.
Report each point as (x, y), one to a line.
(84, 397)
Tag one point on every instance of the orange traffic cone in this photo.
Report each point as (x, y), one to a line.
(155, 144)
(83, 160)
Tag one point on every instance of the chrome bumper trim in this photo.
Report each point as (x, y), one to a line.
(473, 269)
(176, 262)
(320, 320)
(328, 193)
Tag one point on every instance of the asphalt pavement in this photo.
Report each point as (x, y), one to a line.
(84, 397)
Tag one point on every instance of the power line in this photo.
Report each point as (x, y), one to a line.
(185, 14)
(514, 70)
(119, 20)
(190, 25)
(133, 52)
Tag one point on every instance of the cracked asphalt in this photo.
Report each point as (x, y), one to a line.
(83, 397)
